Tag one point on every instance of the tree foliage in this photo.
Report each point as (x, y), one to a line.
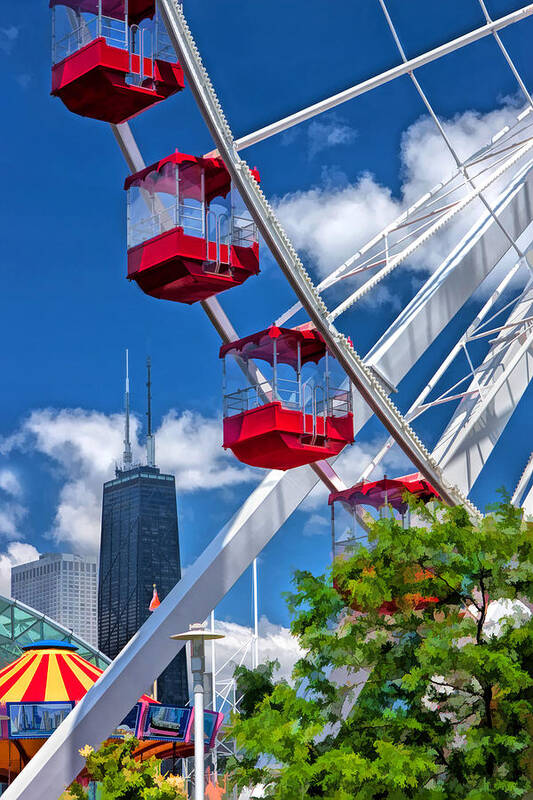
(122, 777)
(410, 687)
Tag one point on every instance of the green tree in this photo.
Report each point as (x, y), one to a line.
(122, 777)
(409, 688)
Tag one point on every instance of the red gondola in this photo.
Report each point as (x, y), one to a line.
(387, 492)
(384, 494)
(111, 58)
(285, 423)
(189, 235)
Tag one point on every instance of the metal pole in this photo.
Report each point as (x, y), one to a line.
(256, 623)
(53, 34)
(214, 692)
(177, 195)
(204, 207)
(332, 532)
(299, 376)
(274, 369)
(126, 28)
(197, 666)
(327, 387)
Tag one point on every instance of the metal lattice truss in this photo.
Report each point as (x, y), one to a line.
(497, 182)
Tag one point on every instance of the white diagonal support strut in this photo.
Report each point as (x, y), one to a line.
(379, 80)
(480, 419)
(276, 239)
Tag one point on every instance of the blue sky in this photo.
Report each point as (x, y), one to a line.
(68, 313)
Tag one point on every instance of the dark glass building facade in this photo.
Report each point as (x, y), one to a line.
(139, 547)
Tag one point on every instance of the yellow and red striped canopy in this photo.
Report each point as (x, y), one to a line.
(47, 671)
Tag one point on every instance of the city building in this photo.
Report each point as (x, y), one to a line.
(139, 547)
(64, 587)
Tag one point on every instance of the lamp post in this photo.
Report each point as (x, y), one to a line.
(197, 635)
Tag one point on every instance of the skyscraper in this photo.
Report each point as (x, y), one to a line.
(139, 547)
(62, 586)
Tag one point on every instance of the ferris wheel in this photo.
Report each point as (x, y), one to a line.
(296, 393)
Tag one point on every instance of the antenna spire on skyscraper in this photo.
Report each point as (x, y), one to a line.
(150, 438)
(126, 458)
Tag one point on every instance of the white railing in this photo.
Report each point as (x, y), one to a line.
(312, 400)
(114, 31)
(146, 42)
(219, 228)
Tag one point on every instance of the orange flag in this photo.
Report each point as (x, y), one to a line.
(155, 602)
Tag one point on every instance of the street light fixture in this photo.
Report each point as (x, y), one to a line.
(197, 635)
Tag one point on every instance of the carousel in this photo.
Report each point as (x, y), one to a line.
(39, 689)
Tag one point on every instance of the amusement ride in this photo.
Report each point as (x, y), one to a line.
(298, 392)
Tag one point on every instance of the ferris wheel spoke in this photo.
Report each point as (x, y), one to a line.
(381, 79)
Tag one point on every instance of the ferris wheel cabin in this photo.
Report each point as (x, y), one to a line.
(294, 417)
(387, 496)
(111, 58)
(189, 234)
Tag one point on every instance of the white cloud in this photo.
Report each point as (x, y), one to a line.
(24, 80)
(11, 515)
(425, 157)
(8, 37)
(84, 446)
(190, 446)
(331, 222)
(316, 525)
(9, 483)
(323, 135)
(16, 553)
(275, 643)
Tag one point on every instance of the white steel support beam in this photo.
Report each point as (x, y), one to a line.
(453, 282)
(393, 263)
(479, 421)
(281, 248)
(381, 79)
(418, 406)
(203, 586)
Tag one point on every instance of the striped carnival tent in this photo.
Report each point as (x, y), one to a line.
(41, 687)
(51, 675)
(47, 670)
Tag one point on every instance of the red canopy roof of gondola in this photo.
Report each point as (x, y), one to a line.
(387, 491)
(137, 9)
(217, 178)
(259, 345)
